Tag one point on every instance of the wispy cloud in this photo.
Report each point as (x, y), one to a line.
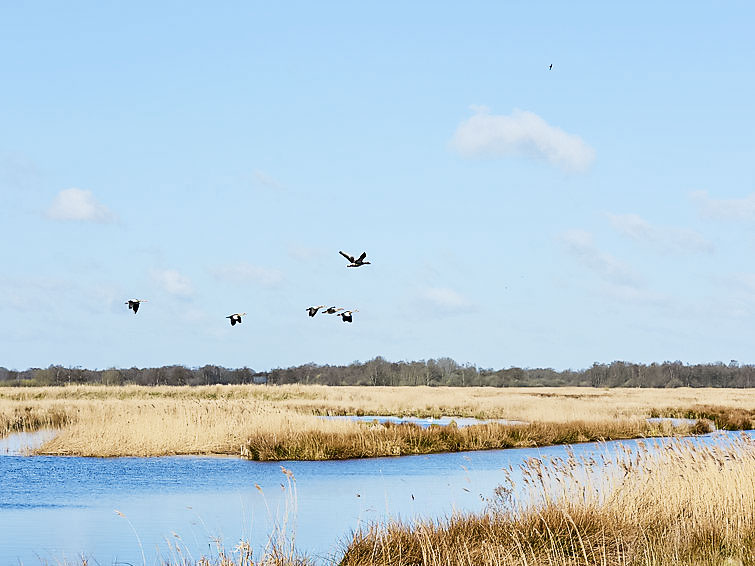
(445, 300)
(580, 244)
(663, 238)
(245, 273)
(267, 181)
(636, 294)
(522, 132)
(173, 282)
(79, 205)
(725, 209)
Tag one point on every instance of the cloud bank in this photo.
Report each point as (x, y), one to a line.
(80, 206)
(521, 133)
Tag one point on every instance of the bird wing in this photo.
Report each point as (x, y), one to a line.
(136, 307)
(347, 256)
(361, 257)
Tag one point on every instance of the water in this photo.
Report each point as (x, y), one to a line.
(23, 443)
(468, 421)
(422, 422)
(55, 509)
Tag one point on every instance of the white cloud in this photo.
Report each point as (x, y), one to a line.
(243, 273)
(267, 181)
(79, 205)
(173, 282)
(659, 237)
(446, 300)
(522, 132)
(725, 209)
(579, 243)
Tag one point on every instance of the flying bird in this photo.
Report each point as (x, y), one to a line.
(551, 67)
(133, 304)
(313, 310)
(358, 262)
(332, 310)
(346, 315)
(236, 317)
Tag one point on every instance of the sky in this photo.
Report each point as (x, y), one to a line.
(213, 158)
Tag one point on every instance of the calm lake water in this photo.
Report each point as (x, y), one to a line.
(56, 509)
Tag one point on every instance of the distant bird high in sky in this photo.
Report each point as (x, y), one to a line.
(236, 317)
(346, 315)
(133, 304)
(551, 67)
(358, 262)
(313, 310)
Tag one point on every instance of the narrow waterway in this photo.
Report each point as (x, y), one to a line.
(57, 509)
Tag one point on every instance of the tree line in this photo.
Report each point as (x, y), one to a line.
(378, 371)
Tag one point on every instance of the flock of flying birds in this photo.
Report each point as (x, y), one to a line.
(346, 315)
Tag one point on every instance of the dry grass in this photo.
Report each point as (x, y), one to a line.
(681, 505)
(403, 439)
(269, 422)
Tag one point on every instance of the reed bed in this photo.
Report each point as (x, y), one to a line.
(281, 422)
(403, 439)
(675, 504)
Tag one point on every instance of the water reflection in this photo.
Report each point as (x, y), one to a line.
(22, 443)
(56, 508)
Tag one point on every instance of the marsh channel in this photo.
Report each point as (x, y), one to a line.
(56, 510)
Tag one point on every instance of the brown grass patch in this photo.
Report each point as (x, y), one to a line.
(402, 439)
(681, 505)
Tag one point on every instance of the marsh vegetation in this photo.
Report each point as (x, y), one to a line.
(685, 504)
(281, 422)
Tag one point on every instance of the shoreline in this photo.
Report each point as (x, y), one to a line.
(28, 449)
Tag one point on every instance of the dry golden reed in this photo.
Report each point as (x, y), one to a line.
(281, 422)
(681, 504)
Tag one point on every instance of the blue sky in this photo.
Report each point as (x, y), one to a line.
(215, 159)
